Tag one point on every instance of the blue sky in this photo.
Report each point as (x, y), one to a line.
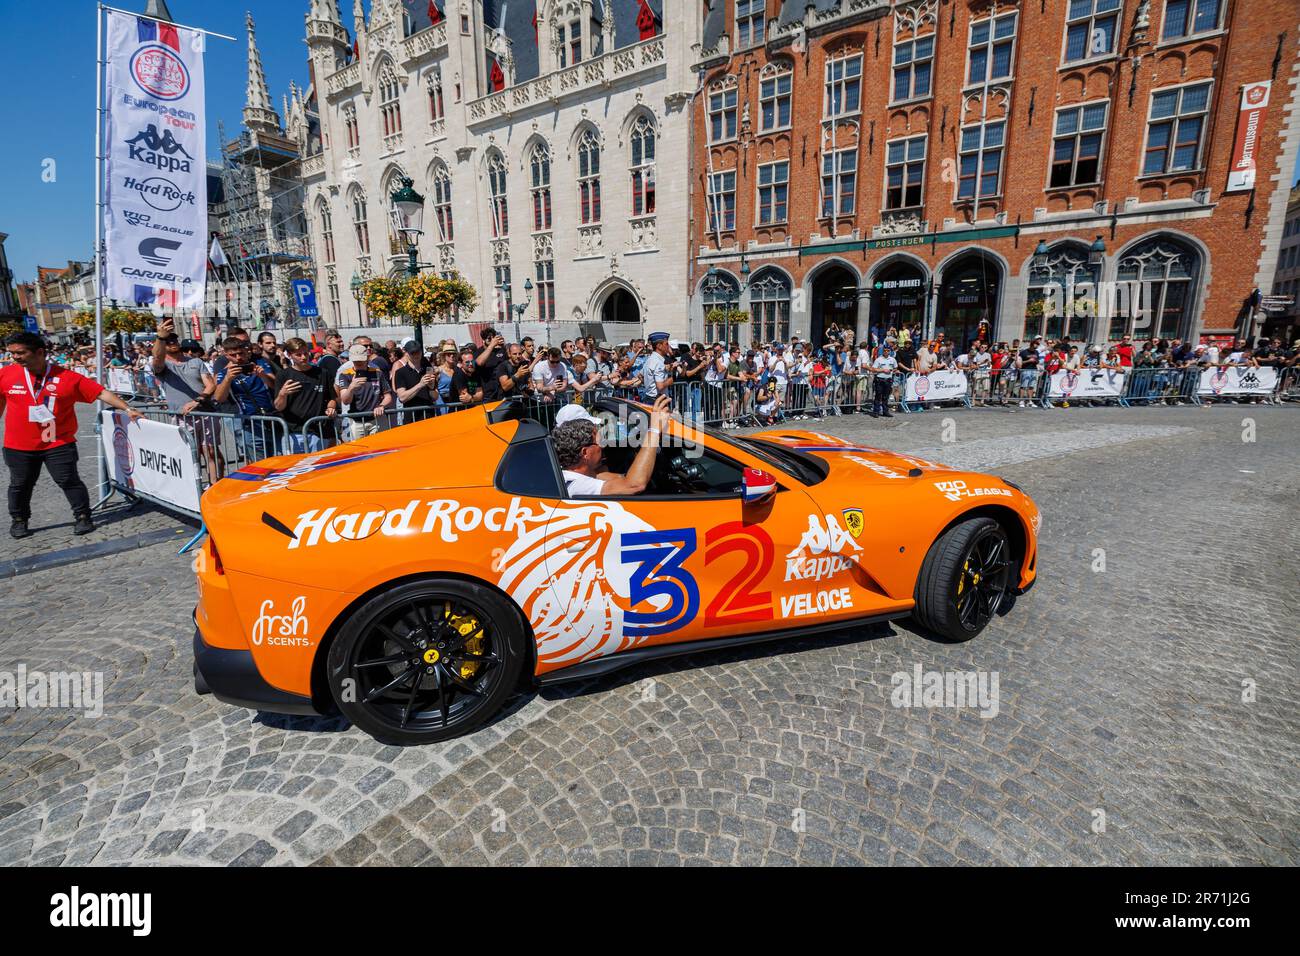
(48, 107)
(49, 101)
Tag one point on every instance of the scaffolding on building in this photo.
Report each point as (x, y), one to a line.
(261, 224)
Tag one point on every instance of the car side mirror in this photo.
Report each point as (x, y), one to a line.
(759, 486)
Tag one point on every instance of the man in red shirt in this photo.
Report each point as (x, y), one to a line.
(1125, 352)
(38, 401)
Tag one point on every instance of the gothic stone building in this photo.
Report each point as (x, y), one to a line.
(550, 142)
(875, 163)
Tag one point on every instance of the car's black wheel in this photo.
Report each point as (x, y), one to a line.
(964, 580)
(426, 661)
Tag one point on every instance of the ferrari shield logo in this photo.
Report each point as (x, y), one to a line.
(854, 521)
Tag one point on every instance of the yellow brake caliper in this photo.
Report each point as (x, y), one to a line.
(466, 625)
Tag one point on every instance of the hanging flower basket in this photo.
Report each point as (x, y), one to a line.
(722, 316)
(422, 299)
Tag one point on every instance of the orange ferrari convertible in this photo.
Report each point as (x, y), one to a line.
(415, 579)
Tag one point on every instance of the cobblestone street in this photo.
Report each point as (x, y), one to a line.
(1121, 734)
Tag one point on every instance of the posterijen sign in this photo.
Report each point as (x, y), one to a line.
(156, 202)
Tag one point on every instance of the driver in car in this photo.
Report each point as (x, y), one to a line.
(577, 445)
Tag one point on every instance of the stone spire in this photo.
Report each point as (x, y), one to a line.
(358, 18)
(326, 10)
(258, 114)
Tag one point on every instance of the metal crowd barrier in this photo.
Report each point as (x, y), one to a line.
(1288, 385)
(1161, 386)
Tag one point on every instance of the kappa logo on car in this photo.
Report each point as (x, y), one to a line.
(956, 490)
(282, 630)
(820, 552)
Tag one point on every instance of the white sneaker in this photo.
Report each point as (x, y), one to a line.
(1022, 404)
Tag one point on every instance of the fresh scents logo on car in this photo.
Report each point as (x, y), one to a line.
(956, 490)
(282, 630)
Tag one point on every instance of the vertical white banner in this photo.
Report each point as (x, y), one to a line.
(156, 205)
(1250, 119)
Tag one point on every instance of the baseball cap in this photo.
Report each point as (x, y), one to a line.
(574, 413)
(358, 353)
(411, 347)
(190, 344)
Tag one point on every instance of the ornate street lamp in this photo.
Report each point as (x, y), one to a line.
(355, 285)
(1097, 252)
(1041, 255)
(408, 205)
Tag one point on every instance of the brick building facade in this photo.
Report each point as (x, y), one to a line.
(875, 162)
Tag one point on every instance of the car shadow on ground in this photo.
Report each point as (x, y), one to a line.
(637, 673)
(695, 660)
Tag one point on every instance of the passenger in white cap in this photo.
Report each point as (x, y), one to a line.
(582, 460)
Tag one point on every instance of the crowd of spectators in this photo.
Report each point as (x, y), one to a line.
(369, 385)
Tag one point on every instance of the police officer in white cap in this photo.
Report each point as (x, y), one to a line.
(655, 379)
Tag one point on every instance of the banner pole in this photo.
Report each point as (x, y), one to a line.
(105, 488)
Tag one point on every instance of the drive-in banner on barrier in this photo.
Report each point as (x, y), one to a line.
(156, 199)
(1086, 383)
(1237, 380)
(151, 459)
(942, 386)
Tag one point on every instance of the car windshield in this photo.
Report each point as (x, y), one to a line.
(807, 468)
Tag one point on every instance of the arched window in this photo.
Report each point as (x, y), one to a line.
(433, 82)
(442, 203)
(326, 233)
(1166, 271)
(496, 170)
(1061, 295)
(359, 224)
(769, 304)
(350, 126)
(718, 294)
(390, 104)
(643, 166)
(539, 162)
(774, 96)
(589, 176)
